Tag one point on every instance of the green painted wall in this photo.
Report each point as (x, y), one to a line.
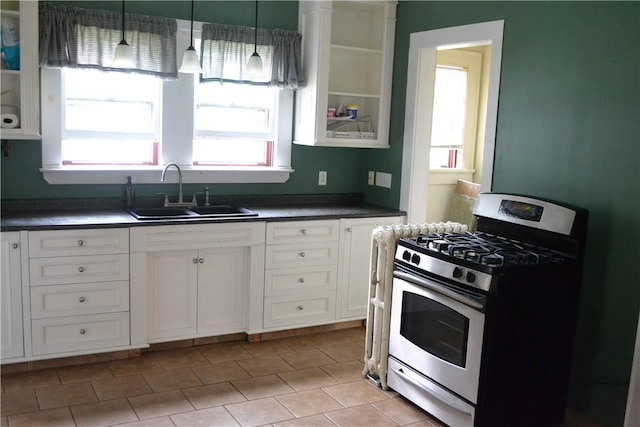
(568, 129)
(21, 178)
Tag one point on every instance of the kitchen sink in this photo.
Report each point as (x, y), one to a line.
(214, 211)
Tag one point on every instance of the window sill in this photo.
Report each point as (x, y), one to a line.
(151, 174)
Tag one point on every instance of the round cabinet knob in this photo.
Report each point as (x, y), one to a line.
(81, 269)
(201, 260)
(302, 254)
(300, 307)
(195, 260)
(301, 280)
(14, 246)
(81, 299)
(457, 272)
(80, 242)
(303, 231)
(83, 331)
(348, 229)
(471, 277)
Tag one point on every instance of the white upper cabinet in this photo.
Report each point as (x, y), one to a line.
(20, 84)
(348, 60)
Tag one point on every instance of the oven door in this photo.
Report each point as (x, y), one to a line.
(437, 332)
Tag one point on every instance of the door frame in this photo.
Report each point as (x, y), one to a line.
(419, 103)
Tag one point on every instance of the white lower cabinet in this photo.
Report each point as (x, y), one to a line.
(11, 297)
(79, 291)
(196, 278)
(355, 259)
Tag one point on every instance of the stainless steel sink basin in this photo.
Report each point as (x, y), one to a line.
(222, 210)
(215, 211)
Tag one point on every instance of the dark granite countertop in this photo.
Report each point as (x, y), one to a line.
(108, 213)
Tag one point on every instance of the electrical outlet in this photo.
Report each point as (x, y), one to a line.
(371, 178)
(322, 178)
(383, 179)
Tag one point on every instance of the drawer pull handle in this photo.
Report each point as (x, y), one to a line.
(81, 299)
(300, 307)
(80, 242)
(83, 331)
(14, 246)
(303, 231)
(81, 269)
(301, 280)
(201, 260)
(302, 254)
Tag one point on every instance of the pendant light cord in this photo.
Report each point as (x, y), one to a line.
(255, 40)
(191, 44)
(123, 38)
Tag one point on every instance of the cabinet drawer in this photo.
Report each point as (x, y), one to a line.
(287, 281)
(68, 334)
(286, 311)
(323, 253)
(75, 300)
(79, 269)
(78, 242)
(303, 231)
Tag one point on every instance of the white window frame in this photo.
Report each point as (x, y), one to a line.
(177, 137)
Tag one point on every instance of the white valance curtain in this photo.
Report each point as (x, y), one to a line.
(86, 38)
(225, 50)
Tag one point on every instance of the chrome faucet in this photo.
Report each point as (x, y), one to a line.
(181, 201)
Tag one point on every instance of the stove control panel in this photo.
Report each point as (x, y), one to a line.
(445, 269)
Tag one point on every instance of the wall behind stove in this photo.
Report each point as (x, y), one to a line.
(568, 129)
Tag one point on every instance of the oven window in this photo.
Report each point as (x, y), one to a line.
(435, 328)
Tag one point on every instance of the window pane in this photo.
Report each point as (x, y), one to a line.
(234, 107)
(110, 117)
(109, 151)
(224, 152)
(449, 115)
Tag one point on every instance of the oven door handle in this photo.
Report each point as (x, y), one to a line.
(456, 404)
(439, 289)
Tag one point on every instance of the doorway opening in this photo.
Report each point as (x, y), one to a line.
(427, 190)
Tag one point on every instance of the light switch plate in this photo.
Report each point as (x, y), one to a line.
(322, 178)
(371, 178)
(383, 179)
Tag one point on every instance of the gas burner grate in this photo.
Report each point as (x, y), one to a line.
(485, 249)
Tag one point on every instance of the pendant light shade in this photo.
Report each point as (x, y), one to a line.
(254, 65)
(123, 57)
(190, 60)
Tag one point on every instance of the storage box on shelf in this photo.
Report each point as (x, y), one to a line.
(19, 85)
(348, 55)
(79, 287)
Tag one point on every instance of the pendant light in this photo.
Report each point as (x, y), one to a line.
(254, 65)
(123, 57)
(190, 60)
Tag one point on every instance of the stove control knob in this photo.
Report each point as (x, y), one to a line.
(406, 255)
(457, 272)
(415, 259)
(471, 277)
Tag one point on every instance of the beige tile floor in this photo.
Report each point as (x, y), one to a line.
(311, 380)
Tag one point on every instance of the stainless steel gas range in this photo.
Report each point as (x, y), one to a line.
(482, 324)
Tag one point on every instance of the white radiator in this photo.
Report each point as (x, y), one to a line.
(383, 249)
